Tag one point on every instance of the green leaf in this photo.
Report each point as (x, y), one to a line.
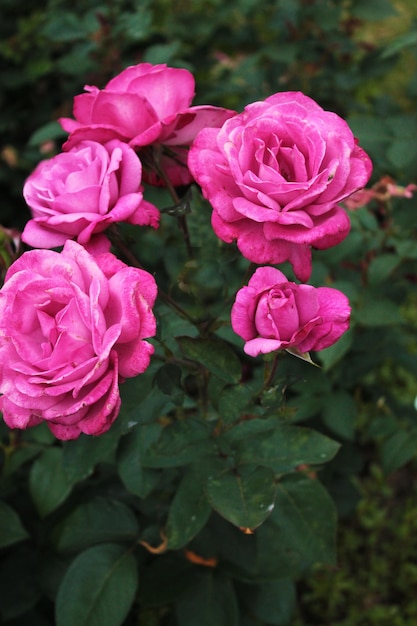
(232, 546)
(272, 602)
(332, 355)
(25, 452)
(83, 454)
(161, 53)
(133, 25)
(306, 517)
(249, 428)
(216, 355)
(398, 450)
(168, 378)
(189, 509)
(11, 529)
(98, 521)
(136, 478)
(285, 448)
(403, 41)
(209, 601)
(402, 152)
(48, 132)
(245, 498)
(48, 482)
(98, 588)
(373, 10)
(165, 579)
(304, 406)
(141, 403)
(67, 27)
(381, 267)
(168, 381)
(373, 136)
(78, 59)
(406, 249)
(376, 311)
(339, 414)
(233, 401)
(272, 399)
(169, 326)
(304, 356)
(41, 434)
(180, 443)
(19, 584)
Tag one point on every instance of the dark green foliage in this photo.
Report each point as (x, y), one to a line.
(374, 581)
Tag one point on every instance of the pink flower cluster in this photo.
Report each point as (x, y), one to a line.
(275, 176)
(146, 105)
(74, 324)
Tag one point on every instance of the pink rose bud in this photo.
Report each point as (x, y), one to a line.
(79, 193)
(271, 314)
(275, 175)
(72, 328)
(143, 105)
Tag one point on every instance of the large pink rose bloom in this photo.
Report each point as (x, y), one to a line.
(143, 105)
(274, 176)
(80, 193)
(271, 314)
(72, 327)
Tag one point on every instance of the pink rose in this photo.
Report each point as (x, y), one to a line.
(274, 176)
(72, 327)
(81, 192)
(145, 104)
(274, 314)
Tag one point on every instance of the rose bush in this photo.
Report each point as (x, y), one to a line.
(72, 327)
(275, 174)
(82, 192)
(145, 104)
(271, 313)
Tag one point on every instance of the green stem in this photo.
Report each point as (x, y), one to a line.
(270, 371)
(251, 270)
(120, 244)
(182, 219)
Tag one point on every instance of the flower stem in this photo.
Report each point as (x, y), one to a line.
(120, 244)
(181, 219)
(270, 371)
